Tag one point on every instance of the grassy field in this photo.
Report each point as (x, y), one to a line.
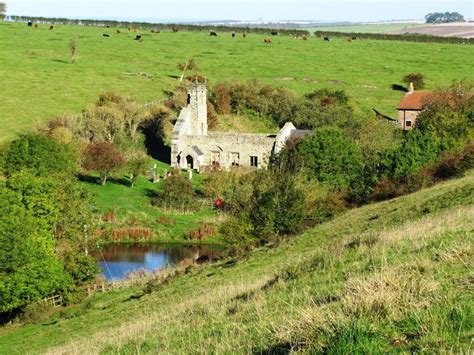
(39, 81)
(369, 28)
(389, 277)
(132, 206)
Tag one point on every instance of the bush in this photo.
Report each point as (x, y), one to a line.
(177, 190)
(205, 230)
(39, 155)
(416, 78)
(331, 157)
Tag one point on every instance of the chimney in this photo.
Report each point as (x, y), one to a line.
(411, 88)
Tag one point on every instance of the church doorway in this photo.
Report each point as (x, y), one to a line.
(190, 162)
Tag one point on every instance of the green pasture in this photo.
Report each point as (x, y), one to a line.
(39, 82)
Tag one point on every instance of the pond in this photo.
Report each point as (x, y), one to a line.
(118, 260)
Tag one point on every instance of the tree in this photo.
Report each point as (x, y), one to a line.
(449, 117)
(103, 123)
(104, 158)
(439, 17)
(416, 78)
(188, 65)
(29, 268)
(416, 150)
(3, 11)
(40, 155)
(331, 157)
(138, 164)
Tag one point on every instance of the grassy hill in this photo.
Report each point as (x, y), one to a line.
(392, 276)
(39, 81)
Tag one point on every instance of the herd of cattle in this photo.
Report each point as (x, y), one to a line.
(175, 29)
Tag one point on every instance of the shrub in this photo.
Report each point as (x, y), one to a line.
(212, 119)
(205, 230)
(222, 98)
(416, 78)
(39, 155)
(177, 190)
(135, 234)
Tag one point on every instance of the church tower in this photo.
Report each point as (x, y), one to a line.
(197, 103)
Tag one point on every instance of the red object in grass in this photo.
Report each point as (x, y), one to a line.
(218, 203)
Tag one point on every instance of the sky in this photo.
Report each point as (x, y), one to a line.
(250, 10)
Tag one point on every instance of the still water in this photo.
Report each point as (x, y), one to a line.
(116, 261)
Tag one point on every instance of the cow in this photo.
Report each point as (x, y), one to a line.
(51, 27)
(274, 33)
(118, 32)
(305, 38)
(105, 35)
(138, 37)
(349, 40)
(326, 39)
(174, 29)
(244, 35)
(213, 34)
(37, 25)
(233, 34)
(267, 40)
(30, 24)
(354, 38)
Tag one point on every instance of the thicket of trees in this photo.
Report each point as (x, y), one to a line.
(440, 17)
(322, 174)
(3, 11)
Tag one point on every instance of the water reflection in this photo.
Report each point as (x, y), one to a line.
(117, 260)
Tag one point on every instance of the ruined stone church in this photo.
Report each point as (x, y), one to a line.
(193, 146)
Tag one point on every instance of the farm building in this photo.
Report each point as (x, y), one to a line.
(193, 146)
(410, 107)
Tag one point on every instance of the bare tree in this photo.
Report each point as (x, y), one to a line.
(188, 65)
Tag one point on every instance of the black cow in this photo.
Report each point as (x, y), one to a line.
(30, 24)
(138, 37)
(354, 38)
(326, 39)
(213, 34)
(105, 35)
(233, 34)
(274, 33)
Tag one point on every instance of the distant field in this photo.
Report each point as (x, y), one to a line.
(463, 30)
(39, 82)
(379, 28)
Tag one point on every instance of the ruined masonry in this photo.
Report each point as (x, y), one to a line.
(194, 147)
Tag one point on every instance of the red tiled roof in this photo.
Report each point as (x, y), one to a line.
(415, 101)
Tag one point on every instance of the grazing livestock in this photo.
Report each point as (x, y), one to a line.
(244, 35)
(118, 32)
(326, 39)
(105, 35)
(267, 40)
(30, 24)
(138, 37)
(37, 25)
(305, 38)
(274, 33)
(349, 40)
(233, 34)
(51, 27)
(174, 29)
(155, 31)
(354, 38)
(213, 34)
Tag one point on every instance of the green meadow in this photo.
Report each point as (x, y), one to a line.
(39, 81)
(391, 277)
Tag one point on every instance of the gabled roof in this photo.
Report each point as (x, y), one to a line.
(416, 100)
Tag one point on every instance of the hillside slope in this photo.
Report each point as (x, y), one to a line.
(396, 274)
